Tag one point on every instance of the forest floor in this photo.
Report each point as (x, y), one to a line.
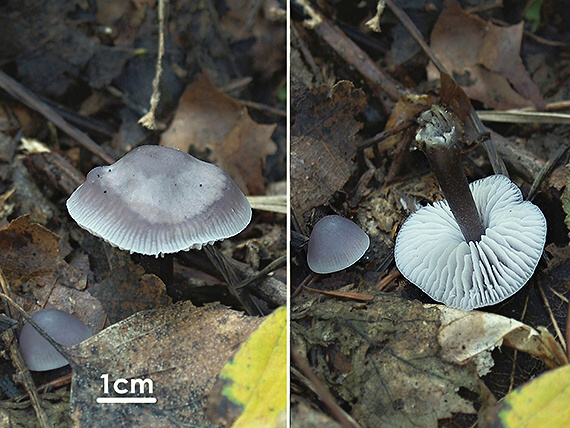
(369, 347)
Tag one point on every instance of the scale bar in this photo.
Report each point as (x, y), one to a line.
(125, 400)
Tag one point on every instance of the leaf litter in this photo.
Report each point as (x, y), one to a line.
(389, 179)
(98, 59)
(182, 348)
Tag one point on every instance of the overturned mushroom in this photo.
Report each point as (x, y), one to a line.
(480, 245)
(335, 244)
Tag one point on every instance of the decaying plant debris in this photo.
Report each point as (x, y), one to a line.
(76, 79)
(359, 362)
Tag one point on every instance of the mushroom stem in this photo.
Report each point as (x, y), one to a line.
(438, 135)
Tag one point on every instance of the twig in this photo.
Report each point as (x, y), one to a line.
(298, 40)
(263, 107)
(56, 383)
(223, 265)
(559, 334)
(396, 129)
(385, 88)
(271, 267)
(59, 348)
(218, 30)
(399, 154)
(149, 119)
(306, 282)
(267, 288)
(126, 100)
(271, 203)
(524, 162)
(25, 96)
(240, 83)
(351, 295)
(545, 170)
(520, 116)
(554, 106)
(387, 280)
(323, 393)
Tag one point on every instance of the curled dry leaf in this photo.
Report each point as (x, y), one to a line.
(484, 59)
(466, 336)
(181, 348)
(210, 121)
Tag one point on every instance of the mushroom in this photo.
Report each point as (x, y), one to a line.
(480, 245)
(157, 200)
(64, 328)
(335, 244)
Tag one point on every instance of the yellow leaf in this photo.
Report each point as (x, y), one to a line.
(542, 402)
(253, 384)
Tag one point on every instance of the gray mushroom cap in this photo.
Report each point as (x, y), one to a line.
(64, 328)
(335, 244)
(157, 200)
(431, 252)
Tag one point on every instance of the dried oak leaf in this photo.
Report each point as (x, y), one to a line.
(484, 59)
(323, 143)
(210, 121)
(181, 348)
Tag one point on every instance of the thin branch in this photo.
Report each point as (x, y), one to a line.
(22, 94)
(323, 393)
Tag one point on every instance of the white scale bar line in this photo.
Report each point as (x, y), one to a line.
(108, 400)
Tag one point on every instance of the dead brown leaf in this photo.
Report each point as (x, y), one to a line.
(210, 121)
(27, 251)
(127, 289)
(484, 59)
(323, 143)
(181, 348)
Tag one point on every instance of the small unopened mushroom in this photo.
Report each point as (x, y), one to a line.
(335, 244)
(156, 200)
(479, 246)
(64, 328)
